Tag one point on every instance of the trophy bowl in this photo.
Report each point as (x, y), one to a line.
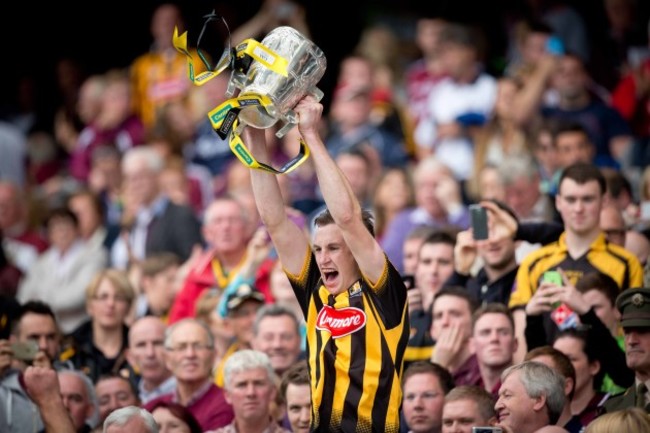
(306, 66)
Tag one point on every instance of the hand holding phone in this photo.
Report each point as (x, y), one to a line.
(478, 215)
(25, 350)
(553, 277)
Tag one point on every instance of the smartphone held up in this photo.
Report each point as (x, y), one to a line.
(479, 220)
(25, 350)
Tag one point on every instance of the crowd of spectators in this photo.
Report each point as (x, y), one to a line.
(140, 291)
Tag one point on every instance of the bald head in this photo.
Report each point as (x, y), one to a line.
(146, 350)
(638, 244)
(613, 224)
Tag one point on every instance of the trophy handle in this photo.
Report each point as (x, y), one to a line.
(317, 93)
(287, 126)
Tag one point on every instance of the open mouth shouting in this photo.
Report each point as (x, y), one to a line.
(330, 277)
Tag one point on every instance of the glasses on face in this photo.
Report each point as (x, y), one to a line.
(196, 347)
(105, 297)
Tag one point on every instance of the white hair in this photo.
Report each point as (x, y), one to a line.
(245, 360)
(121, 417)
(150, 156)
(93, 419)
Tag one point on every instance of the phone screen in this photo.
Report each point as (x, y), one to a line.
(553, 277)
(478, 215)
(25, 350)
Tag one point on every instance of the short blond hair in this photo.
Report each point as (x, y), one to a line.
(117, 278)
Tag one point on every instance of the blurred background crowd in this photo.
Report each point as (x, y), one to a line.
(118, 202)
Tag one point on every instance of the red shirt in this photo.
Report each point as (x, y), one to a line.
(201, 277)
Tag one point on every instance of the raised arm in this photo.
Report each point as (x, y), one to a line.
(289, 240)
(42, 386)
(339, 198)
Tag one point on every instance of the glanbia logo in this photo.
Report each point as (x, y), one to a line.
(340, 322)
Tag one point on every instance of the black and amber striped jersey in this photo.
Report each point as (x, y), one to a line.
(602, 256)
(355, 346)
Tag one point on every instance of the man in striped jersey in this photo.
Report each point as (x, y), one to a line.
(353, 298)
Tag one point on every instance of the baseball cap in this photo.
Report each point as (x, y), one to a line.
(244, 292)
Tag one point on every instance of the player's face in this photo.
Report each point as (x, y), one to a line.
(335, 261)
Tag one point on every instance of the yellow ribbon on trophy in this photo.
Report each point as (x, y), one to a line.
(224, 118)
(239, 58)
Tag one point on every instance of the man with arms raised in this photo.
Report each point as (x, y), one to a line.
(353, 298)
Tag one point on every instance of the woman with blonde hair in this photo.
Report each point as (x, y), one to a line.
(632, 419)
(98, 346)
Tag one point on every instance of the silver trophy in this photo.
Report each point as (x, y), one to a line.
(306, 66)
(272, 76)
